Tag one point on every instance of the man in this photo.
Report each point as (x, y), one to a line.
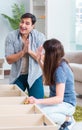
(20, 51)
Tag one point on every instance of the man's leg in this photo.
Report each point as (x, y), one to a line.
(21, 81)
(37, 89)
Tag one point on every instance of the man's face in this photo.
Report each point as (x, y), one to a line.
(25, 26)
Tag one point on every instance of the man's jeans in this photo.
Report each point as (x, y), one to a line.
(36, 89)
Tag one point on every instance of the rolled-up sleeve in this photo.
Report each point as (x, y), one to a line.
(41, 39)
(9, 48)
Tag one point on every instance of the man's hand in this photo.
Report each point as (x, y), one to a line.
(26, 47)
(39, 53)
(40, 56)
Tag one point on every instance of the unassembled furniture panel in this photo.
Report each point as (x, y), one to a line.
(26, 122)
(1, 69)
(16, 115)
(10, 90)
(19, 109)
(12, 100)
(1, 73)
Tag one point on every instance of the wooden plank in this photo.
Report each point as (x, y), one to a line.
(1, 69)
(20, 121)
(10, 90)
(7, 86)
(31, 128)
(23, 121)
(1, 73)
(12, 100)
(18, 109)
(10, 93)
(29, 122)
(46, 119)
(36, 109)
(16, 115)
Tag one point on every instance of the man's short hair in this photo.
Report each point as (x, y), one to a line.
(29, 15)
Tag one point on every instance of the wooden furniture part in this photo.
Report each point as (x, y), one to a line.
(12, 100)
(10, 90)
(16, 115)
(29, 122)
(19, 109)
(1, 69)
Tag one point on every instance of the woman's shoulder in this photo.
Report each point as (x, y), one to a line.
(64, 63)
(62, 67)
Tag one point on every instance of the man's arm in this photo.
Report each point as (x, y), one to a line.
(40, 56)
(40, 40)
(32, 54)
(15, 57)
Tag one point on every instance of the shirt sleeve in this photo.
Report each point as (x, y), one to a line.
(9, 49)
(60, 76)
(40, 39)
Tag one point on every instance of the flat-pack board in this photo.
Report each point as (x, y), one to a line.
(1, 69)
(10, 91)
(16, 115)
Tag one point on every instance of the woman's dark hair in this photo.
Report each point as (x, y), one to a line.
(54, 52)
(29, 15)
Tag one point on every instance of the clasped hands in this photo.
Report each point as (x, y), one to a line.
(37, 55)
(26, 47)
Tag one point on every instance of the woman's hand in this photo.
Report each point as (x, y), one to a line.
(33, 100)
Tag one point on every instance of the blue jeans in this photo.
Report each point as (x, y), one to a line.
(36, 89)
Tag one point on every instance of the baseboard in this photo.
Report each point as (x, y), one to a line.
(6, 72)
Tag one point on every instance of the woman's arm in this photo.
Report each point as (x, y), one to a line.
(52, 100)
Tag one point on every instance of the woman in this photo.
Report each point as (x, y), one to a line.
(60, 106)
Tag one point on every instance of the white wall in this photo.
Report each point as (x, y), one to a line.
(6, 8)
(61, 21)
